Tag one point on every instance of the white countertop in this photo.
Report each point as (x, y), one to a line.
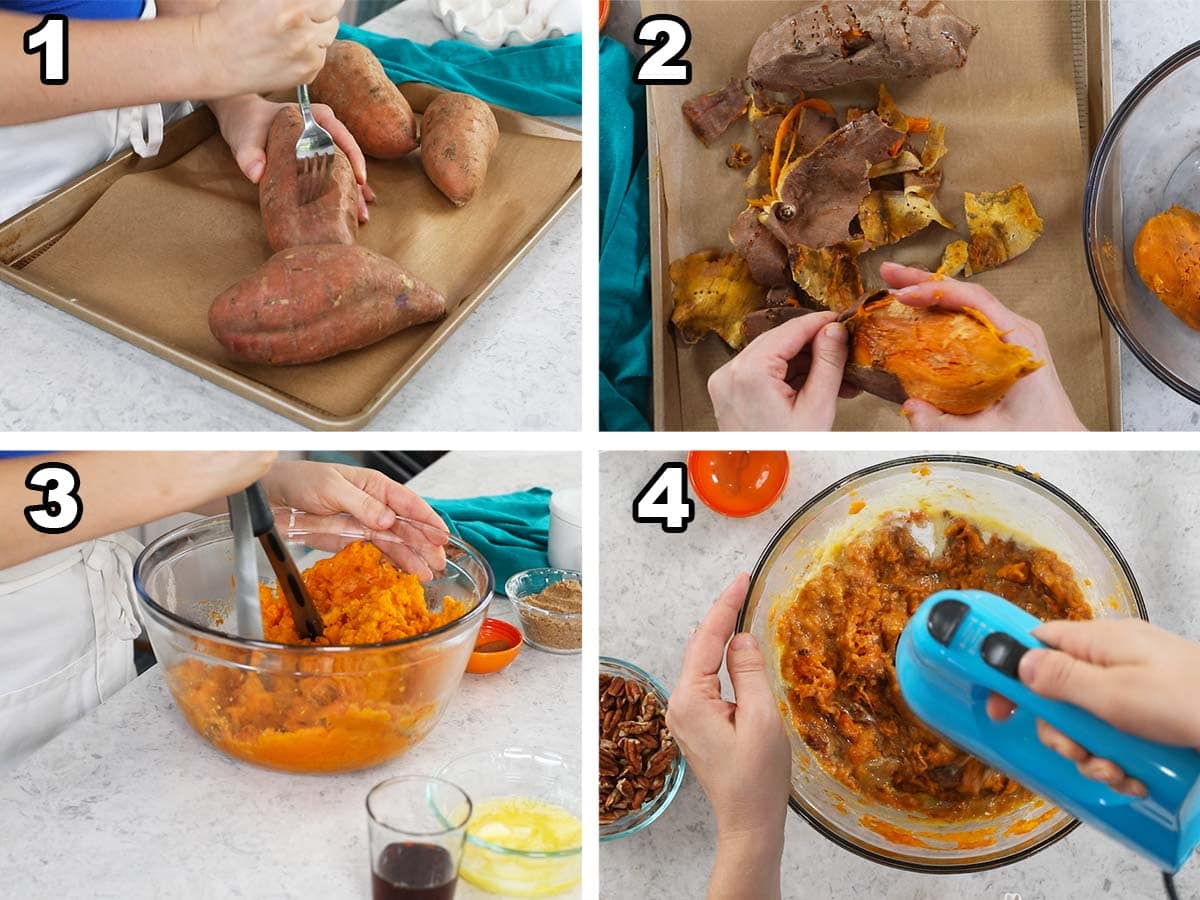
(1144, 33)
(129, 802)
(651, 608)
(513, 365)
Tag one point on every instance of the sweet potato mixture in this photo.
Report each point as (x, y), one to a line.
(837, 642)
(313, 714)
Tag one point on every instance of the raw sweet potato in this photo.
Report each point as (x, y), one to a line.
(310, 303)
(829, 44)
(360, 93)
(330, 219)
(458, 137)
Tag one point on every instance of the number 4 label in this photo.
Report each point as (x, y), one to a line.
(61, 507)
(664, 500)
(49, 38)
(670, 37)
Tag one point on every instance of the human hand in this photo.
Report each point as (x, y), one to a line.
(1036, 402)
(752, 391)
(245, 122)
(267, 45)
(737, 750)
(1135, 676)
(379, 504)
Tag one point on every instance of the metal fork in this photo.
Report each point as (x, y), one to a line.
(314, 153)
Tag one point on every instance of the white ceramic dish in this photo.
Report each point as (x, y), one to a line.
(494, 23)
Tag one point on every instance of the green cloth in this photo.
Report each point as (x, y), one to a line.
(542, 79)
(512, 531)
(625, 379)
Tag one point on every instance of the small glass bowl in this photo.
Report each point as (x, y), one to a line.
(653, 807)
(1147, 160)
(531, 774)
(537, 622)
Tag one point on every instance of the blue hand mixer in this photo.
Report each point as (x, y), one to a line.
(960, 646)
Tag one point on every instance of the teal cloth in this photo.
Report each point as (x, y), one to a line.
(542, 79)
(625, 379)
(512, 531)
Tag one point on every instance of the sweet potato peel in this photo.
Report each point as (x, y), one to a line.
(955, 360)
(829, 275)
(890, 216)
(1003, 225)
(714, 293)
(954, 259)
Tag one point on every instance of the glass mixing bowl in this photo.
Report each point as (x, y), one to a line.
(1005, 499)
(293, 707)
(1147, 160)
(516, 772)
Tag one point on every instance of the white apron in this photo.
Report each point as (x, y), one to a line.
(68, 623)
(39, 158)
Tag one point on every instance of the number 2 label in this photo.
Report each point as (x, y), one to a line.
(61, 507)
(664, 500)
(49, 38)
(670, 37)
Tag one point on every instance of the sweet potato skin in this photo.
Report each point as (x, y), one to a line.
(458, 137)
(354, 84)
(330, 219)
(825, 44)
(310, 303)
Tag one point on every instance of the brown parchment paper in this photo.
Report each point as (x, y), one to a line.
(1011, 116)
(159, 246)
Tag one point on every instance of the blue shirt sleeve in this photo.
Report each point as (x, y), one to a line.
(79, 9)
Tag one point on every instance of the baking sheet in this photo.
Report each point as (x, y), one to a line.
(1011, 115)
(156, 248)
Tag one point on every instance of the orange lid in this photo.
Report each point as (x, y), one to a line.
(738, 483)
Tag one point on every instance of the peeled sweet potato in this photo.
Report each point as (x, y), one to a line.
(1167, 256)
(360, 93)
(829, 44)
(954, 359)
(330, 219)
(458, 137)
(309, 303)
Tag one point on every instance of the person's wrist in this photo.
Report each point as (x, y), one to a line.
(751, 844)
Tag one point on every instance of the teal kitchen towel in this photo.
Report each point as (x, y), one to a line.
(625, 379)
(512, 531)
(542, 79)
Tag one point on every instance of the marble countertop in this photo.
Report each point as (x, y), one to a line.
(513, 365)
(129, 803)
(1125, 492)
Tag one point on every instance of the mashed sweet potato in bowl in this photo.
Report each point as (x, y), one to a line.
(828, 600)
(376, 683)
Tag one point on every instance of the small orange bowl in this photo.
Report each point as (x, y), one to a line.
(738, 483)
(604, 10)
(497, 645)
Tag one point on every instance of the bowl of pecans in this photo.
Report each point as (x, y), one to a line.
(641, 768)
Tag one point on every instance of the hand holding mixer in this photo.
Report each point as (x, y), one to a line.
(961, 646)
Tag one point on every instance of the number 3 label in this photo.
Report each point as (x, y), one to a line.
(670, 37)
(664, 500)
(61, 507)
(49, 38)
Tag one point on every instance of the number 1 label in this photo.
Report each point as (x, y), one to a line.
(49, 38)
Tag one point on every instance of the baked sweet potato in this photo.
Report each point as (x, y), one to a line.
(1167, 256)
(309, 303)
(829, 44)
(360, 93)
(956, 360)
(330, 219)
(458, 137)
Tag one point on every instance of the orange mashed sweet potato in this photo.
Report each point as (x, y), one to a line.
(305, 712)
(837, 638)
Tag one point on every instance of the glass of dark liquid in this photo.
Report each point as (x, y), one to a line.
(416, 827)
